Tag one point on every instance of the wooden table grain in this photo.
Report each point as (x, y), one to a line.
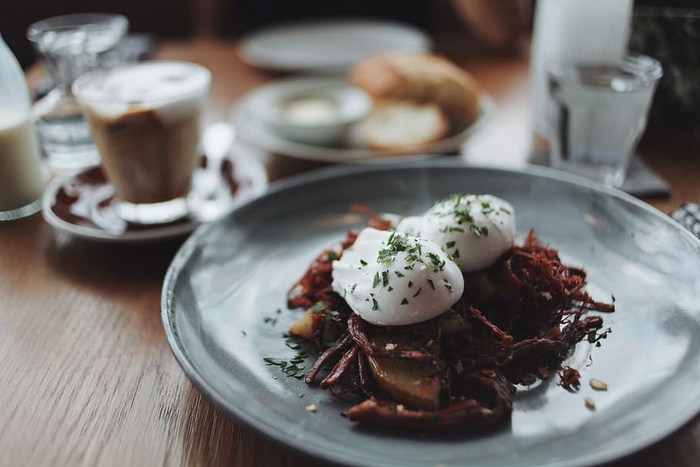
(87, 375)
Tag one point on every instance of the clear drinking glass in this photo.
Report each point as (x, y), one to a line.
(71, 46)
(598, 112)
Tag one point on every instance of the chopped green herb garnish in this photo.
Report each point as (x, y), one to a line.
(394, 244)
(448, 286)
(436, 263)
(294, 371)
(290, 368)
(332, 255)
(450, 229)
(478, 231)
(318, 308)
(299, 358)
(269, 320)
(275, 361)
(292, 341)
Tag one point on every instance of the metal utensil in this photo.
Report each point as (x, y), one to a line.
(209, 203)
(218, 139)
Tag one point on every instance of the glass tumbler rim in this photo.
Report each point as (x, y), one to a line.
(648, 68)
(87, 77)
(116, 20)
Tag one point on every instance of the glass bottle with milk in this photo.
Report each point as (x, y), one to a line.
(21, 181)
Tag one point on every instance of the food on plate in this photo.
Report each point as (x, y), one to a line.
(434, 319)
(420, 78)
(474, 230)
(309, 110)
(397, 125)
(387, 291)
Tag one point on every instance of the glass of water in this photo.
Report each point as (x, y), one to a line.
(72, 45)
(597, 113)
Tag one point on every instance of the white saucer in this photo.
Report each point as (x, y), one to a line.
(331, 45)
(82, 205)
(354, 149)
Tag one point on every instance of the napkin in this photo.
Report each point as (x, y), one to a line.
(641, 180)
(689, 216)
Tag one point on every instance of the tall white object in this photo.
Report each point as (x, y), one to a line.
(21, 181)
(574, 30)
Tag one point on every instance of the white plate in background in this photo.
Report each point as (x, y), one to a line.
(331, 45)
(253, 131)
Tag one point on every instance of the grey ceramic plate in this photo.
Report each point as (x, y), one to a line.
(223, 291)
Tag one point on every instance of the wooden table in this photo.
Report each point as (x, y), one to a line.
(87, 375)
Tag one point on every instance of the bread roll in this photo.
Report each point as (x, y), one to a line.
(398, 125)
(421, 78)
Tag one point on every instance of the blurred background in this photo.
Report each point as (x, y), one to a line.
(222, 18)
(160, 18)
(666, 29)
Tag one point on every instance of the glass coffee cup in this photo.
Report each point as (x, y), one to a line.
(146, 120)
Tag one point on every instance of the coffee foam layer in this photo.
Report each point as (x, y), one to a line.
(171, 89)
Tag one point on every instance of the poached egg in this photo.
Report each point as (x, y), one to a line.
(394, 279)
(474, 230)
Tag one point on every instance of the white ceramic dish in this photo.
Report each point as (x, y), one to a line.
(330, 45)
(232, 274)
(316, 111)
(354, 148)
